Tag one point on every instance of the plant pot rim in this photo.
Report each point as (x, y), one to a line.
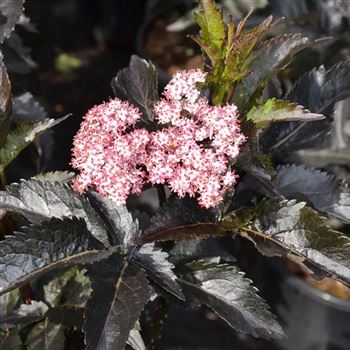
(318, 295)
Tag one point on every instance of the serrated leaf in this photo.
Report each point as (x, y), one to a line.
(317, 90)
(17, 56)
(119, 294)
(30, 313)
(269, 57)
(5, 101)
(180, 220)
(240, 46)
(155, 262)
(320, 88)
(27, 109)
(291, 228)
(45, 336)
(38, 249)
(232, 297)
(213, 32)
(21, 137)
(41, 200)
(138, 84)
(321, 189)
(273, 110)
(10, 12)
(60, 176)
(123, 229)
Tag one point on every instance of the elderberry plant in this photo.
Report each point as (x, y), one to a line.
(214, 139)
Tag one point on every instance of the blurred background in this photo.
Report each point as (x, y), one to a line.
(66, 52)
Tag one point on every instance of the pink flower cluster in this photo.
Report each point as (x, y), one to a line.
(191, 152)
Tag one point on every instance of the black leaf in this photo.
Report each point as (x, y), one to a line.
(232, 297)
(38, 249)
(319, 188)
(138, 85)
(119, 294)
(155, 262)
(10, 11)
(40, 200)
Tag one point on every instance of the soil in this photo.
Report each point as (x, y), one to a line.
(172, 51)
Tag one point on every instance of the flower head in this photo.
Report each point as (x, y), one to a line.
(191, 153)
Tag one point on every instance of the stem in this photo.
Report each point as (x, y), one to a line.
(161, 194)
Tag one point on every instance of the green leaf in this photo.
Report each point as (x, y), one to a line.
(289, 228)
(10, 11)
(10, 340)
(240, 46)
(119, 294)
(155, 262)
(138, 84)
(29, 313)
(268, 59)
(181, 220)
(321, 189)
(45, 336)
(41, 200)
(5, 101)
(21, 137)
(231, 296)
(60, 176)
(273, 110)
(213, 33)
(71, 287)
(7, 305)
(123, 229)
(42, 248)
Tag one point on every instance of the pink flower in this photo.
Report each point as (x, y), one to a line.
(192, 153)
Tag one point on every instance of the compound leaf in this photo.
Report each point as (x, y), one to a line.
(226, 290)
(38, 249)
(155, 262)
(119, 294)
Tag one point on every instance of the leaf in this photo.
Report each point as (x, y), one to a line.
(232, 297)
(7, 305)
(240, 46)
(45, 336)
(71, 287)
(319, 188)
(213, 33)
(293, 229)
(273, 110)
(155, 262)
(17, 56)
(59, 176)
(138, 84)
(41, 200)
(67, 315)
(42, 248)
(123, 229)
(317, 90)
(119, 294)
(5, 100)
(21, 137)
(29, 313)
(10, 340)
(180, 220)
(320, 88)
(135, 340)
(27, 109)
(10, 11)
(270, 57)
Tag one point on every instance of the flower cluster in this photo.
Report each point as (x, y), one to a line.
(191, 152)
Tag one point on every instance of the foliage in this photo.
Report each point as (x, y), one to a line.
(98, 265)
